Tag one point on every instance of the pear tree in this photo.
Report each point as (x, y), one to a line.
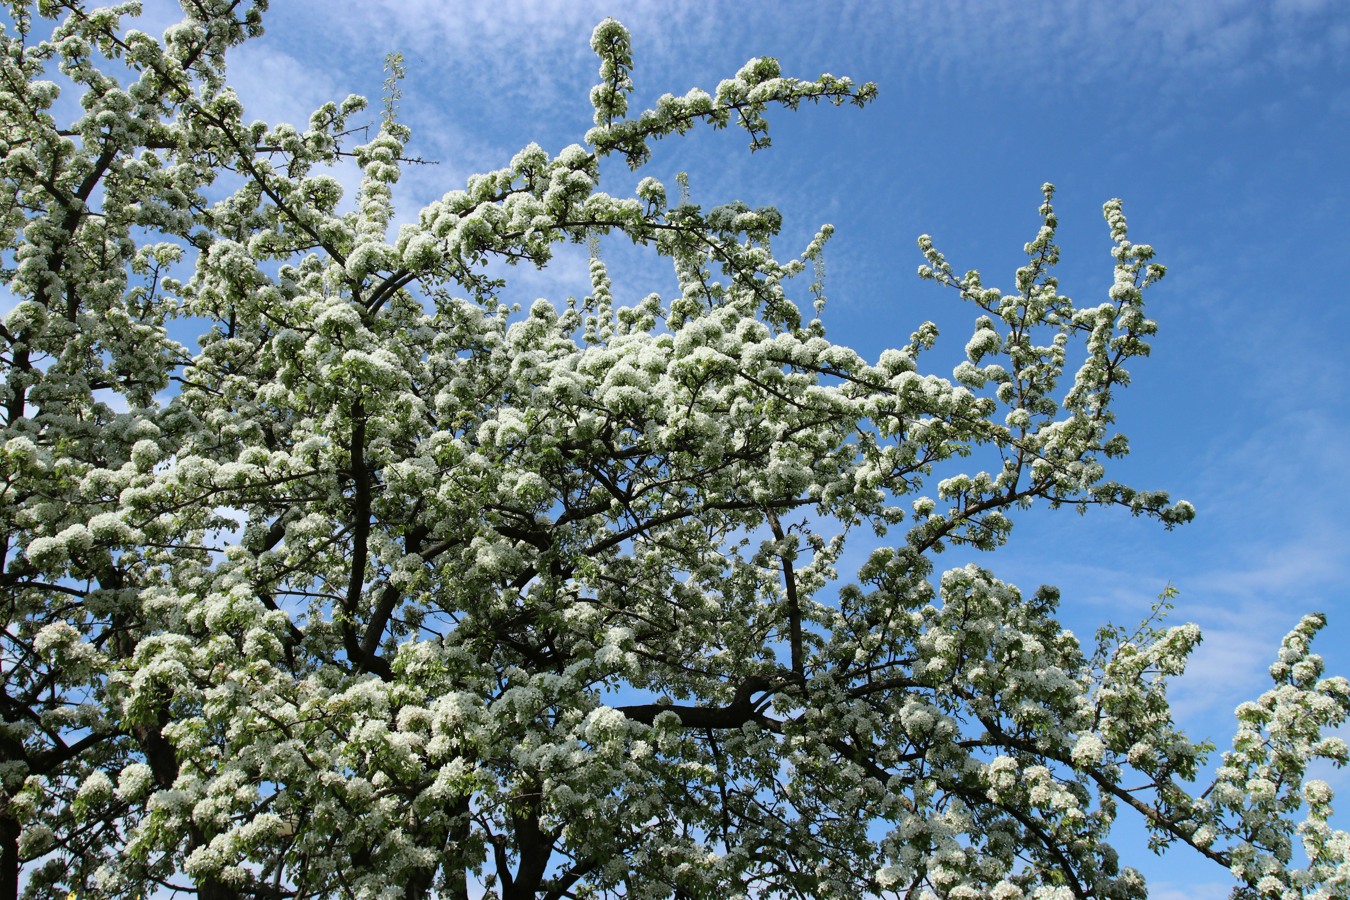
(394, 583)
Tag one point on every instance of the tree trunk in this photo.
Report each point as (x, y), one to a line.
(9, 858)
(163, 761)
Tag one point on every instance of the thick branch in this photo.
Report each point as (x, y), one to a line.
(794, 609)
(735, 714)
(361, 510)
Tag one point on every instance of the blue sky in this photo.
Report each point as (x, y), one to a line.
(1223, 124)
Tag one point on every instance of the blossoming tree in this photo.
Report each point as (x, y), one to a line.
(388, 588)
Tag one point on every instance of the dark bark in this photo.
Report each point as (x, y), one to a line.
(9, 858)
(163, 762)
(735, 714)
(794, 608)
(534, 846)
(456, 875)
(361, 512)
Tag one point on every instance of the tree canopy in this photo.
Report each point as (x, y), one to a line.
(394, 585)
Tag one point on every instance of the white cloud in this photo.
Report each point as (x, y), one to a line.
(1227, 668)
(1212, 890)
(277, 87)
(531, 55)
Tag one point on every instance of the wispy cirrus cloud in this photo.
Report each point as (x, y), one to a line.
(955, 41)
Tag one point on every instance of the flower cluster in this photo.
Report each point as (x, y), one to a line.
(394, 585)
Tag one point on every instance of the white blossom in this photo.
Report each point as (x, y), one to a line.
(400, 578)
